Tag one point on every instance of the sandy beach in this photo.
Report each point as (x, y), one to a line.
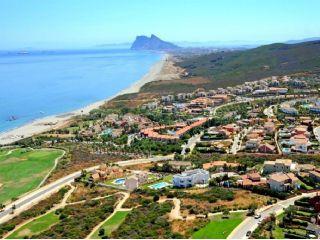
(158, 71)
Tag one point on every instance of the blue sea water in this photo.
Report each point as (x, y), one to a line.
(43, 83)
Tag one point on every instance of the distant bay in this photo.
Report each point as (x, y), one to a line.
(37, 84)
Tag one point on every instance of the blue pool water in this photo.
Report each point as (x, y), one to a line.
(119, 181)
(159, 185)
(44, 83)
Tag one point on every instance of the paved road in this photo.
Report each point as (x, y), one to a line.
(191, 143)
(237, 141)
(36, 196)
(250, 223)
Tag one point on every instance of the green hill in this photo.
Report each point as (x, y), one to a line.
(232, 68)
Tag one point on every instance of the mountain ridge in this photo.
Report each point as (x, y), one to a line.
(152, 43)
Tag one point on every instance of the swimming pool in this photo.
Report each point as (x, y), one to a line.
(159, 185)
(119, 181)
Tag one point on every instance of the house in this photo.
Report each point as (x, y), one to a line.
(305, 167)
(279, 165)
(269, 127)
(180, 164)
(251, 179)
(252, 143)
(300, 143)
(133, 182)
(95, 177)
(266, 148)
(168, 98)
(181, 96)
(219, 165)
(190, 178)
(315, 175)
(288, 109)
(283, 182)
(106, 172)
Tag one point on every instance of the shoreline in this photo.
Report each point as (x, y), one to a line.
(56, 121)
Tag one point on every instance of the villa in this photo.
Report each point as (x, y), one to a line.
(279, 165)
(266, 148)
(252, 179)
(133, 182)
(190, 178)
(283, 182)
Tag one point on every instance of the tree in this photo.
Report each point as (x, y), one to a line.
(156, 198)
(226, 213)
(101, 232)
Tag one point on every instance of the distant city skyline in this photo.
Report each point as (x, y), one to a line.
(74, 24)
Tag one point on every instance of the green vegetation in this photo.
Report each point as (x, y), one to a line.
(110, 225)
(220, 227)
(232, 68)
(77, 221)
(37, 210)
(147, 221)
(149, 146)
(22, 170)
(36, 226)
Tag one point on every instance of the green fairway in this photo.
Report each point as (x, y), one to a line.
(23, 170)
(220, 228)
(112, 224)
(36, 226)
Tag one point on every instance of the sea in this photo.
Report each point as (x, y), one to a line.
(36, 84)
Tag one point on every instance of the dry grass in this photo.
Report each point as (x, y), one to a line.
(242, 199)
(85, 193)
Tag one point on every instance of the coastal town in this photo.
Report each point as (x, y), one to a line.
(178, 166)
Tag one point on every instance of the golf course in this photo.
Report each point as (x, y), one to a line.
(22, 170)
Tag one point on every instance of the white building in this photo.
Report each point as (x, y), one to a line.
(279, 165)
(190, 178)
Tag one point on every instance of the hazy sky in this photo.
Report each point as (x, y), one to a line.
(74, 23)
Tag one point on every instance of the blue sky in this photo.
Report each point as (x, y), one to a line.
(76, 23)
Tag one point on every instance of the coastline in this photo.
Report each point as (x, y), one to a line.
(56, 121)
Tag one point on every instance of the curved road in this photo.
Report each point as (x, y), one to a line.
(250, 223)
(36, 196)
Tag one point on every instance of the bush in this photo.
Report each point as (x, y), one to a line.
(101, 232)
(156, 198)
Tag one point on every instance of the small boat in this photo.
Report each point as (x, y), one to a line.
(41, 112)
(12, 118)
(23, 52)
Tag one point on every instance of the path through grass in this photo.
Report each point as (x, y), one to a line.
(112, 224)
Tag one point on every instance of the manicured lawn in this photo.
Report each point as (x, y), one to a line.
(35, 227)
(220, 228)
(22, 170)
(112, 224)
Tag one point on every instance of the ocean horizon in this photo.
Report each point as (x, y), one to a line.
(38, 84)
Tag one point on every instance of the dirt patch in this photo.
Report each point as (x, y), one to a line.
(242, 199)
(25, 232)
(141, 167)
(85, 193)
(186, 228)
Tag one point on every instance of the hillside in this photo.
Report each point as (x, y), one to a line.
(231, 68)
(152, 43)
